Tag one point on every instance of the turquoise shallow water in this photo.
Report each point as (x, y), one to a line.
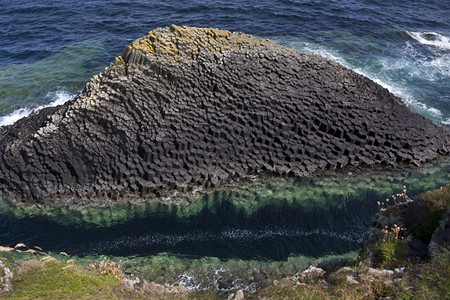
(268, 218)
(51, 48)
(234, 237)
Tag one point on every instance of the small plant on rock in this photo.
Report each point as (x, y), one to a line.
(391, 250)
(396, 199)
(107, 268)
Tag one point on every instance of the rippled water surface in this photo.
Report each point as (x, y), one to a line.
(49, 49)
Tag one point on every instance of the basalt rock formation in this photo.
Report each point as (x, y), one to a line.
(186, 107)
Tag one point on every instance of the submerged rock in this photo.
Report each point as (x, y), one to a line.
(186, 107)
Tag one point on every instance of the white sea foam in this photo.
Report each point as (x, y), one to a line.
(169, 197)
(14, 116)
(429, 70)
(431, 39)
(189, 281)
(230, 234)
(441, 65)
(431, 67)
(404, 94)
(59, 97)
(196, 190)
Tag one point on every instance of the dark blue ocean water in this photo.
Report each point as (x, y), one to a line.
(49, 49)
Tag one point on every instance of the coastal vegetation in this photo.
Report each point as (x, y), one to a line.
(427, 280)
(209, 164)
(383, 269)
(57, 279)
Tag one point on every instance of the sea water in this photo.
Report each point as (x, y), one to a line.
(49, 49)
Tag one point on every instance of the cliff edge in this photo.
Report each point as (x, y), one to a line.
(186, 107)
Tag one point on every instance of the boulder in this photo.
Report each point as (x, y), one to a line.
(6, 276)
(313, 273)
(440, 241)
(136, 285)
(332, 265)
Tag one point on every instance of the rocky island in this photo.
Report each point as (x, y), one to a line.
(188, 107)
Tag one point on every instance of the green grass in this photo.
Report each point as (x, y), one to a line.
(425, 281)
(337, 288)
(57, 280)
(430, 280)
(210, 295)
(290, 292)
(392, 253)
(423, 215)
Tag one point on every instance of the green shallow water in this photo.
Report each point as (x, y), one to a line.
(323, 191)
(27, 86)
(238, 236)
(197, 274)
(213, 273)
(270, 226)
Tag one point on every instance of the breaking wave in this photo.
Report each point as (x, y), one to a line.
(58, 97)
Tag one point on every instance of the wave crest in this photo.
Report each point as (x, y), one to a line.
(431, 39)
(58, 97)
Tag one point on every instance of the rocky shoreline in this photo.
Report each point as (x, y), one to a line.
(187, 107)
(366, 278)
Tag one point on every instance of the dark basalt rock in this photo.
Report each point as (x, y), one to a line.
(186, 107)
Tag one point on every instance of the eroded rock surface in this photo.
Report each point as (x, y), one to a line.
(186, 107)
(5, 280)
(440, 241)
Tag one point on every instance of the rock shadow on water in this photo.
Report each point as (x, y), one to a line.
(273, 232)
(266, 218)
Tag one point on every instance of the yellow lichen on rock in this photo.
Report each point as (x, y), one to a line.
(181, 42)
(142, 44)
